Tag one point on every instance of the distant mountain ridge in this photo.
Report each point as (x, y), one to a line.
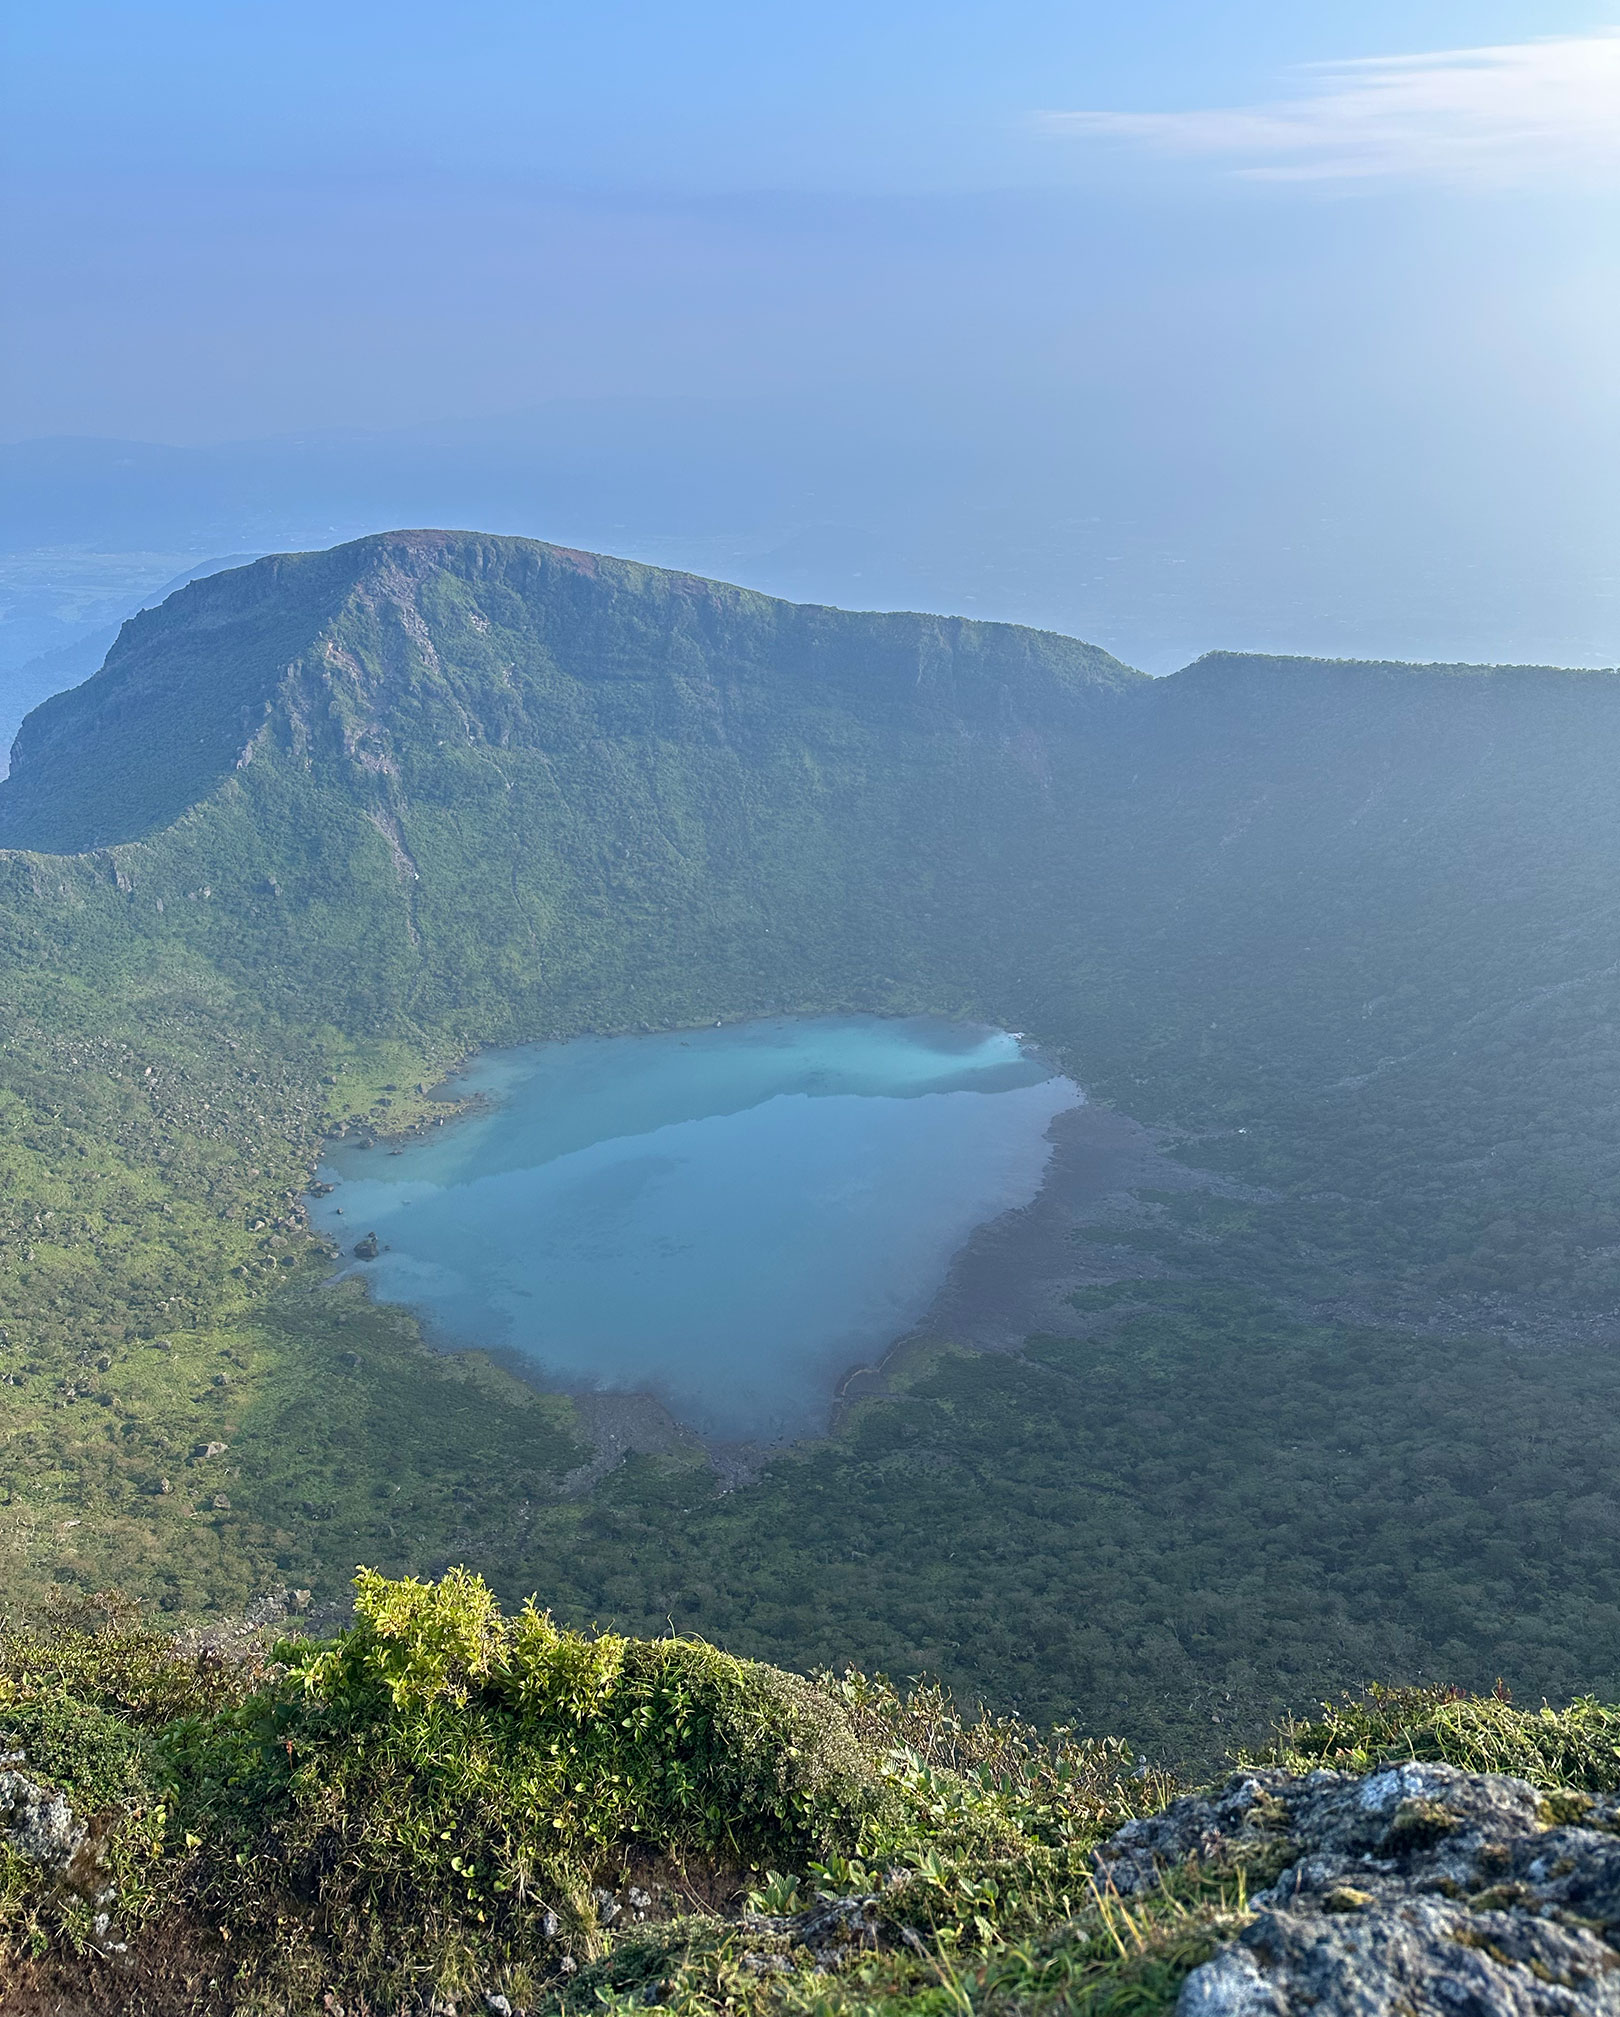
(24, 685)
(437, 747)
(188, 687)
(523, 785)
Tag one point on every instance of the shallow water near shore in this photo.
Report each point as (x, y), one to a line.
(730, 1219)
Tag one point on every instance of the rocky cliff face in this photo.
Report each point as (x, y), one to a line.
(405, 643)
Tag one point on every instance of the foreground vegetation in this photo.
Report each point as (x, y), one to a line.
(442, 1805)
(441, 1799)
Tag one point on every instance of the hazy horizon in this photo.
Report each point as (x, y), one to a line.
(1172, 332)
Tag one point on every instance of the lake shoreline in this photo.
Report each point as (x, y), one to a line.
(1008, 1280)
(713, 1223)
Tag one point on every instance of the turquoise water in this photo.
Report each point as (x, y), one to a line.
(730, 1219)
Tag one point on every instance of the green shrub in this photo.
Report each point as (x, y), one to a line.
(566, 1743)
(86, 1694)
(96, 1650)
(1577, 1747)
(96, 1758)
(452, 1772)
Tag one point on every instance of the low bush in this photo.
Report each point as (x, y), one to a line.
(441, 1794)
(1577, 1747)
(459, 1775)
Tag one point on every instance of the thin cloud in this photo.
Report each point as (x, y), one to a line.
(1516, 113)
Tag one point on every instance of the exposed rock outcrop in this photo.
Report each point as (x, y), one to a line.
(37, 1823)
(1418, 1889)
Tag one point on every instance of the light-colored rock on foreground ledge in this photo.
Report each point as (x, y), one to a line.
(1417, 1889)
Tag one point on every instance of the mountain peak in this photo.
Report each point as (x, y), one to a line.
(409, 640)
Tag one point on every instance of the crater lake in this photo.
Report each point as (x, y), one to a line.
(730, 1219)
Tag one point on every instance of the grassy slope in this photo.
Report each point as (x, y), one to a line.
(499, 792)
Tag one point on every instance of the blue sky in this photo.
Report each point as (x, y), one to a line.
(1211, 274)
(877, 96)
(236, 217)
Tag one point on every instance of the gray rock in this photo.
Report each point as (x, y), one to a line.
(37, 1823)
(832, 1933)
(1418, 1889)
(766, 1964)
(1413, 1955)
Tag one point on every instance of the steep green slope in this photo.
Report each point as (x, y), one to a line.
(324, 823)
(441, 776)
(1368, 914)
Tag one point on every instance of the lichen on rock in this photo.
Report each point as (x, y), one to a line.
(1417, 1889)
(37, 1823)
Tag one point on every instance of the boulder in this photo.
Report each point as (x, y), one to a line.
(37, 1823)
(1419, 1889)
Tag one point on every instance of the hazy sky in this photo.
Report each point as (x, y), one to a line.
(1266, 264)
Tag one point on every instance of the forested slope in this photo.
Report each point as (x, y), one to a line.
(323, 823)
